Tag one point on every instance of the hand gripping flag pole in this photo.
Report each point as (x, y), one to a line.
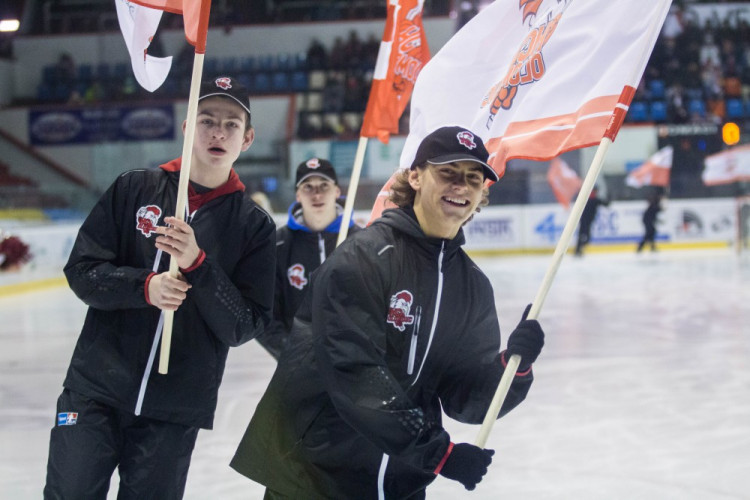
(187, 157)
(402, 54)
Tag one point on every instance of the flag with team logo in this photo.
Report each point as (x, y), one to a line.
(563, 180)
(654, 171)
(732, 165)
(537, 78)
(139, 20)
(402, 54)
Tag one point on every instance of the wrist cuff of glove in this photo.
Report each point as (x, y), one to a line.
(198, 261)
(522, 370)
(443, 460)
(145, 288)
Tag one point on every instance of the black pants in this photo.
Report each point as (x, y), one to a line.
(153, 456)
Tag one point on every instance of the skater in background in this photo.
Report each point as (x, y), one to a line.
(649, 221)
(116, 410)
(587, 219)
(308, 238)
(398, 326)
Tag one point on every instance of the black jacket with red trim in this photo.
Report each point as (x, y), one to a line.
(116, 357)
(395, 326)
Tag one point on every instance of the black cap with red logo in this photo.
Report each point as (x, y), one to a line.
(315, 166)
(449, 144)
(228, 87)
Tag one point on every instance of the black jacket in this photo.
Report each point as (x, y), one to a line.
(115, 360)
(299, 252)
(395, 326)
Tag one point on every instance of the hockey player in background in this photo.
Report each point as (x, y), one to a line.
(399, 325)
(302, 245)
(115, 410)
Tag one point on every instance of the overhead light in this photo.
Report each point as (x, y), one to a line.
(9, 25)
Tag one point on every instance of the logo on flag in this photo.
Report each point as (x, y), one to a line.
(402, 54)
(67, 418)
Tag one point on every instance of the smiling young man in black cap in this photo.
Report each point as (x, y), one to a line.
(116, 411)
(308, 238)
(399, 326)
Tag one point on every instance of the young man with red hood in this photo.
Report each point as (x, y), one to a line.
(116, 410)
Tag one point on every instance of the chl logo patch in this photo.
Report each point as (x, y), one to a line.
(147, 218)
(224, 82)
(296, 275)
(67, 418)
(313, 163)
(400, 307)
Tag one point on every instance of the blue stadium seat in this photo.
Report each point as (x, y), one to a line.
(248, 64)
(211, 68)
(638, 112)
(658, 111)
(262, 83)
(735, 108)
(229, 66)
(697, 107)
(299, 81)
(656, 87)
(280, 81)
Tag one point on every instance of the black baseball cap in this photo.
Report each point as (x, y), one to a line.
(315, 166)
(228, 87)
(449, 144)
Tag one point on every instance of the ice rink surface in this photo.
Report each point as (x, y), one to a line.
(642, 390)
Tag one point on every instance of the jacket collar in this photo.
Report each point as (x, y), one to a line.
(296, 222)
(405, 220)
(197, 200)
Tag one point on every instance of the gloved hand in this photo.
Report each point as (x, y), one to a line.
(526, 340)
(467, 464)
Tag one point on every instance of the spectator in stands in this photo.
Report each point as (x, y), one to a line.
(65, 69)
(317, 58)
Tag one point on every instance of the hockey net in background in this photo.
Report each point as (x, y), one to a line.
(743, 225)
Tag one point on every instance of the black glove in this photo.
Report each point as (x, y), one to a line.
(467, 464)
(526, 340)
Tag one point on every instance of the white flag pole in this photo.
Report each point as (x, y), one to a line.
(351, 191)
(562, 245)
(182, 190)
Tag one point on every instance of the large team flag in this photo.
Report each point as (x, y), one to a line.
(537, 78)
(139, 20)
(732, 165)
(563, 180)
(402, 54)
(654, 171)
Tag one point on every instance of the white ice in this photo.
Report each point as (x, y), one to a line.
(642, 391)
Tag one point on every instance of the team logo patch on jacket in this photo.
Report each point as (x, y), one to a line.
(147, 218)
(296, 275)
(400, 306)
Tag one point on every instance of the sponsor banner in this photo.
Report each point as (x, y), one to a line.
(101, 124)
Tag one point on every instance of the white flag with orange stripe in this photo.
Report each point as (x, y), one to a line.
(536, 78)
(732, 165)
(654, 171)
(563, 180)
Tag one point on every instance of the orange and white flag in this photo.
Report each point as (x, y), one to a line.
(537, 78)
(402, 54)
(654, 171)
(139, 20)
(732, 165)
(563, 180)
